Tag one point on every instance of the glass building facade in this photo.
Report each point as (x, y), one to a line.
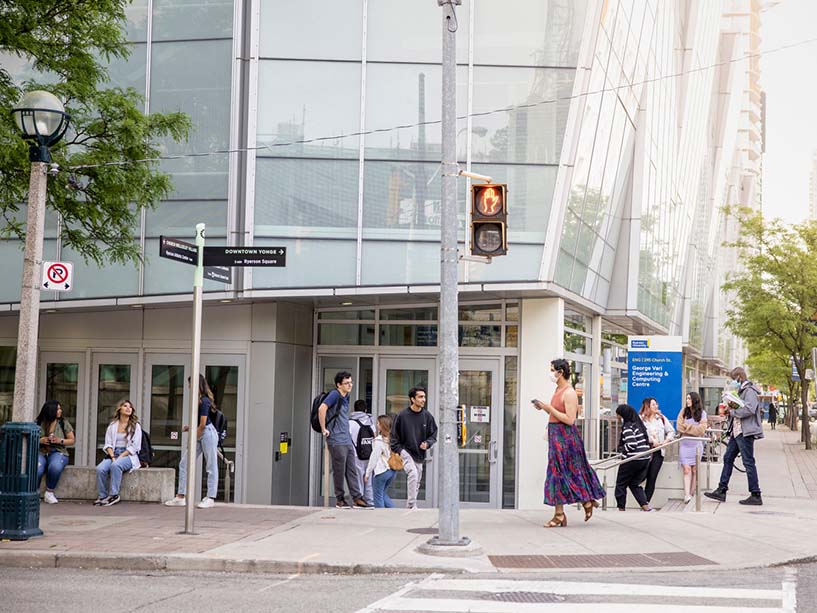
(620, 126)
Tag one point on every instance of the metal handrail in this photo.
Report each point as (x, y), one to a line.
(619, 460)
(227, 479)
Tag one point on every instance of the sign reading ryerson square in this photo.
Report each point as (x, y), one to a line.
(655, 369)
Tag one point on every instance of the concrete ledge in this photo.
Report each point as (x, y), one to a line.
(143, 485)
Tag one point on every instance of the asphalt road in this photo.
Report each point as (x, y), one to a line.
(70, 590)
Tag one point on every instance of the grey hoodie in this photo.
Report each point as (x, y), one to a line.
(751, 414)
(356, 418)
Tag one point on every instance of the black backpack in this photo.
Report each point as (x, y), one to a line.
(365, 439)
(316, 405)
(146, 451)
(219, 421)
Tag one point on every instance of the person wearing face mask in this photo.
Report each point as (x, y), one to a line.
(744, 424)
(569, 476)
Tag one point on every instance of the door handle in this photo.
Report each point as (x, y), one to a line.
(493, 452)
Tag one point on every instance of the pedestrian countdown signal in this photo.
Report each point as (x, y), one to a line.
(489, 218)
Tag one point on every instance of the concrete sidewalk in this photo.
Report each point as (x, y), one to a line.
(300, 540)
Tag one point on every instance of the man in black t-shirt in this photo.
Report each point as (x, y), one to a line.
(413, 432)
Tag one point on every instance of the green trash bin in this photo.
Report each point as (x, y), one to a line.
(19, 498)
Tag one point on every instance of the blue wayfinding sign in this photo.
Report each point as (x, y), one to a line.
(655, 369)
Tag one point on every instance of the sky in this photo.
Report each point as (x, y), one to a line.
(790, 80)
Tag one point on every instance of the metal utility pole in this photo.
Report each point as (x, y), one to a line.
(193, 424)
(449, 491)
(25, 374)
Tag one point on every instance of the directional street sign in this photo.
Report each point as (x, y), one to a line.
(58, 276)
(245, 256)
(174, 249)
(181, 251)
(222, 274)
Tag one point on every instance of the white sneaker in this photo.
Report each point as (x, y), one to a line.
(206, 503)
(687, 499)
(50, 498)
(175, 502)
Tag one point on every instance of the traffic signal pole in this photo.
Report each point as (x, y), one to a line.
(449, 490)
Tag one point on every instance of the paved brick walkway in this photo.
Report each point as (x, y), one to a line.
(801, 464)
(151, 528)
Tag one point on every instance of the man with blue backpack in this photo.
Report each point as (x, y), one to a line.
(333, 417)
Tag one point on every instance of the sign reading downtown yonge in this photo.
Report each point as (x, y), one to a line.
(245, 256)
(655, 369)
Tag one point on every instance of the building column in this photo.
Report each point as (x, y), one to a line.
(541, 340)
(594, 400)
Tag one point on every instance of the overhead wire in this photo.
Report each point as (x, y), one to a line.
(305, 141)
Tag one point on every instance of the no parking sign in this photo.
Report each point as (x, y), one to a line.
(58, 276)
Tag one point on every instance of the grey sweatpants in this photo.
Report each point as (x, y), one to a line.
(344, 464)
(414, 473)
(365, 487)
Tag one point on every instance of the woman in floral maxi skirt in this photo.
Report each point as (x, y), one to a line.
(569, 476)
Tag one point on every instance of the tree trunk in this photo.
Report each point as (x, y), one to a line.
(805, 434)
(791, 414)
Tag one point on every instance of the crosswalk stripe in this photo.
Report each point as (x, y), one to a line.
(683, 599)
(445, 605)
(602, 589)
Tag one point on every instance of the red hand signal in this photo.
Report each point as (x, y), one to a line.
(491, 201)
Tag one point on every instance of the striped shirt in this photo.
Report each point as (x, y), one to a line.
(633, 441)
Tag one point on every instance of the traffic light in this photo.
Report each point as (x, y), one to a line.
(489, 218)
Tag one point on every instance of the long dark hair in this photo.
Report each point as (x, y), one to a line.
(48, 414)
(204, 390)
(696, 410)
(629, 416)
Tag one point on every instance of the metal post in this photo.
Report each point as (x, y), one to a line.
(449, 490)
(25, 374)
(604, 500)
(193, 423)
(325, 472)
(698, 482)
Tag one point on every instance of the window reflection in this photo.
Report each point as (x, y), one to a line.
(166, 405)
(8, 366)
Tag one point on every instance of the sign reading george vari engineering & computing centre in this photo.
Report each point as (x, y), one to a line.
(655, 369)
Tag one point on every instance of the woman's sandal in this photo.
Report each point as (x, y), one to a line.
(556, 522)
(588, 508)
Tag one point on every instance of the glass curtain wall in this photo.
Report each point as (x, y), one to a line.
(334, 172)
(180, 60)
(637, 48)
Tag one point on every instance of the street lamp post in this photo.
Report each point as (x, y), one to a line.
(42, 119)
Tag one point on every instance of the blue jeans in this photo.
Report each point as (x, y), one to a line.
(55, 462)
(207, 444)
(381, 489)
(113, 469)
(746, 447)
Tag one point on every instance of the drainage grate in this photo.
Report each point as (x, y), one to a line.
(422, 530)
(525, 597)
(626, 560)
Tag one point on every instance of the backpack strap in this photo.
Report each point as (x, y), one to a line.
(337, 411)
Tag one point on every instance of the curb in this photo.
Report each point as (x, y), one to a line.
(187, 562)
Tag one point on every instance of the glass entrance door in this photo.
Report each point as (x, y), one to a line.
(225, 375)
(480, 445)
(396, 377)
(166, 399)
(62, 378)
(113, 379)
